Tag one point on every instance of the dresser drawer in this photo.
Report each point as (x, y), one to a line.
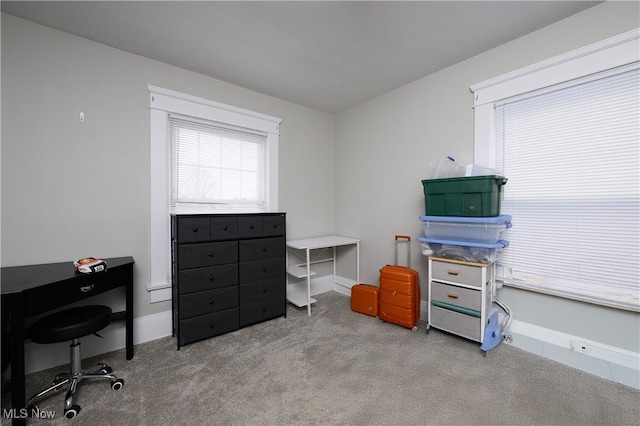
(262, 269)
(198, 279)
(206, 302)
(273, 225)
(261, 311)
(224, 228)
(208, 325)
(455, 322)
(459, 296)
(458, 273)
(264, 289)
(207, 254)
(250, 226)
(192, 229)
(262, 248)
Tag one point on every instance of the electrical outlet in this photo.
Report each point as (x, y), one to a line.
(578, 346)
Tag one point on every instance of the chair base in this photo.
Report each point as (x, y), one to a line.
(99, 371)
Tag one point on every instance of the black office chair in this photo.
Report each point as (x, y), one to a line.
(71, 324)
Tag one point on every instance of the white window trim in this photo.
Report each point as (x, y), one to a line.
(162, 102)
(613, 53)
(598, 57)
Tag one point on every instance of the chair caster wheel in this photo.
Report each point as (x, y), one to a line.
(106, 370)
(70, 413)
(117, 384)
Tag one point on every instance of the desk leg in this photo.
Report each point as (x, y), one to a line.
(129, 316)
(18, 399)
(308, 282)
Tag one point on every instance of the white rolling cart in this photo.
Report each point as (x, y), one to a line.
(297, 292)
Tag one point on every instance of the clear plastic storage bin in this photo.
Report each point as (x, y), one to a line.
(462, 250)
(474, 229)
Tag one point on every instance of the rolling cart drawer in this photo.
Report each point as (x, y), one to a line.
(459, 296)
(455, 322)
(457, 273)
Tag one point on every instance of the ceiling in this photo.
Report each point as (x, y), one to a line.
(327, 55)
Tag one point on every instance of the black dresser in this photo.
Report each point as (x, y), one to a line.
(228, 272)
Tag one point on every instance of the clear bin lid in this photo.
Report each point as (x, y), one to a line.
(498, 245)
(494, 220)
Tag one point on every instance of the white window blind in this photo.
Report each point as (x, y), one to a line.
(216, 167)
(572, 158)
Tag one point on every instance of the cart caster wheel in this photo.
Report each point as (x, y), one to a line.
(117, 384)
(106, 370)
(70, 413)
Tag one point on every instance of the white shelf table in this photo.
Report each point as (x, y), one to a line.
(299, 296)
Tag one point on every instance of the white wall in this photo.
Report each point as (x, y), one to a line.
(383, 147)
(366, 171)
(72, 189)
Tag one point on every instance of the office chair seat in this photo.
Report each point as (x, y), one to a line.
(71, 324)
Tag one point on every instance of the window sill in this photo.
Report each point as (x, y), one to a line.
(620, 302)
(159, 292)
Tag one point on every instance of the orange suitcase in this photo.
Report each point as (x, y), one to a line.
(364, 299)
(399, 301)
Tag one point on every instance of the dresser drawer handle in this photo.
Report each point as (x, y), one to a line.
(264, 310)
(264, 249)
(211, 325)
(210, 254)
(250, 226)
(87, 289)
(452, 272)
(225, 228)
(453, 295)
(210, 277)
(264, 289)
(195, 229)
(211, 301)
(264, 269)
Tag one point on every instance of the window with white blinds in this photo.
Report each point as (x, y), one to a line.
(216, 167)
(572, 155)
(205, 157)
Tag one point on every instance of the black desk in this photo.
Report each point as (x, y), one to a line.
(31, 290)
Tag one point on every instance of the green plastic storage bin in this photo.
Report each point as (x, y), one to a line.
(473, 196)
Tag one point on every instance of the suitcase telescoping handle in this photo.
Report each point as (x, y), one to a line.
(407, 239)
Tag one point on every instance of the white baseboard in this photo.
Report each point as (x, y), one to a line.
(343, 285)
(609, 362)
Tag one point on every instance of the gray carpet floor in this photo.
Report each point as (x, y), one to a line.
(339, 367)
